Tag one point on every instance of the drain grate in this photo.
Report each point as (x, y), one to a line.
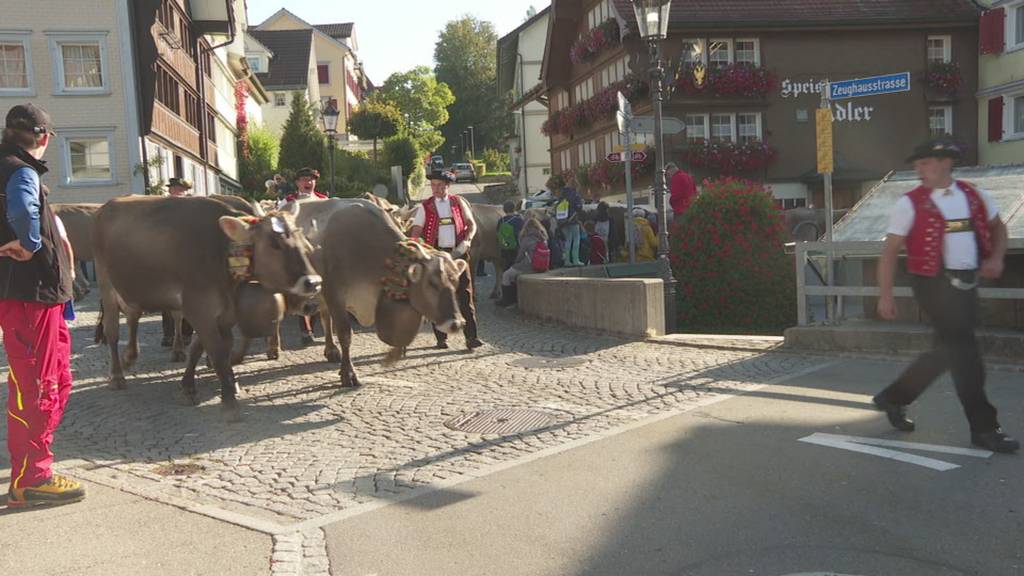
(504, 421)
(548, 363)
(179, 469)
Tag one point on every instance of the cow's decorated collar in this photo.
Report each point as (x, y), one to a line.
(407, 253)
(240, 256)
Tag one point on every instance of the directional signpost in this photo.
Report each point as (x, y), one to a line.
(856, 88)
(624, 117)
(645, 125)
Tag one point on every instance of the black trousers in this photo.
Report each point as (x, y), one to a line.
(467, 304)
(954, 314)
(168, 325)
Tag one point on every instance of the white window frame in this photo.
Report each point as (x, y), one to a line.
(25, 39)
(732, 126)
(565, 160)
(947, 48)
(1009, 115)
(707, 127)
(56, 39)
(948, 113)
(1011, 27)
(729, 49)
(282, 94)
(757, 49)
(703, 48)
(69, 135)
(759, 136)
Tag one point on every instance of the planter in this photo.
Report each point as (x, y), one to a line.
(737, 79)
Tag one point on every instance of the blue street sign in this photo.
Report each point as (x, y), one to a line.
(873, 86)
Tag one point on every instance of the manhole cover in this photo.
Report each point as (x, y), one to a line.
(507, 421)
(179, 469)
(548, 363)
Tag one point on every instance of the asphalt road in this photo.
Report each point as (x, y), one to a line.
(727, 489)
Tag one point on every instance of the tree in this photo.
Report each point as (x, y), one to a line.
(422, 100)
(466, 56)
(401, 151)
(375, 120)
(303, 144)
(254, 171)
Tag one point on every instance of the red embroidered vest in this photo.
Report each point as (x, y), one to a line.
(433, 222)
(924, 243)
(295, 196)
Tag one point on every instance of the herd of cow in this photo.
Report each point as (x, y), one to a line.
(220, 262)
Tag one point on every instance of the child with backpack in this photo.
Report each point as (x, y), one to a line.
(509, 227)
(533, 255)
(598, 248)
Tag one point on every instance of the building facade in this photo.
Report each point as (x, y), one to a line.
(520, 56)
(746, 80)
(339, 75)
(285, 63)
(1001, 83)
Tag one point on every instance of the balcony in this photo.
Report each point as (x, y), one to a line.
(174, 129)
(738, 82)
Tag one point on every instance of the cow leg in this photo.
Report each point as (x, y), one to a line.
(343, 329)
(131, 349)
(274, 342)
(331, 352)
(98, 336)
(499, 269)
(178, 345)
(238, 356)
(111, 319)
(188, 380)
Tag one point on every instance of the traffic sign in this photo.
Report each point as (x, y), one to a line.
(873, 86)
(645, 125)
(636, 156)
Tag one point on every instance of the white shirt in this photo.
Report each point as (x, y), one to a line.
(959, 249)
(445, 232)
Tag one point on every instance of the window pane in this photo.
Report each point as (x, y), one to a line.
(90, 159)
(936, 50)
(746, 51)
(718, 53)
(747, 128)
(1018, 112)
(721, 128)
(695, 128)
(1020, 25)
(12, 66)
(82, 66)
(693, 52)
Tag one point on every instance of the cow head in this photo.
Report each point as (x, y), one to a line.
(280, 252)
(433, 279)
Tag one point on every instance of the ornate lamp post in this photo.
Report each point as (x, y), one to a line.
(652, 18)
(330, 115)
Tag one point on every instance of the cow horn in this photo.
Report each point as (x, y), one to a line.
(257, 210)
(421, 249)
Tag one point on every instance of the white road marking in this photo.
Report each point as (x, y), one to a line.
(875, 447)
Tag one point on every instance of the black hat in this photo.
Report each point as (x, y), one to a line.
(442, 175)
(186, 184)
(307, 172)
(30, 118)
(939, 148)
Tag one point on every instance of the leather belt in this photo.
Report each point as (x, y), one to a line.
(446, 221)
(962, 279)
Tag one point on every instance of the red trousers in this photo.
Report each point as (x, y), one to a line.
(38, 349)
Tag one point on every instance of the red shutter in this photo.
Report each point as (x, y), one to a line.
(995, 119)
(993, 31)
(322, 73)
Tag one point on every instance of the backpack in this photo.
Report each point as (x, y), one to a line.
(507, 236)
(541, 259)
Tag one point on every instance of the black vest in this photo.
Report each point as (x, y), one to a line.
(46, 277)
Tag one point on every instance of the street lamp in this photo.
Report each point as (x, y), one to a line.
(330, 115)
(472, 143)
(652, 17)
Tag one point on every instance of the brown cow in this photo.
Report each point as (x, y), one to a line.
(77, 219)
(190, 254)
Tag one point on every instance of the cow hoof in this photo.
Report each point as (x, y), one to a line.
(231, 412)
(333, 355)
(237, 359)
(118, 383)
(352, 381)
(273, 354)
(178, 356)
(128, 361)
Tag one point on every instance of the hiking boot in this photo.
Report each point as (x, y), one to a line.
(55, 491)
(996, 441)
(897, 414)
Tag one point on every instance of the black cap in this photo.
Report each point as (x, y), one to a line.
(938, 148)
(30, 118)
(310, 172)
(186, 184)
(442, 175)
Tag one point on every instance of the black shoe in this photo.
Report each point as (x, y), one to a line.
(307, 339)
(897, 414)
(474, 343)
(441, 345)
(995, 441)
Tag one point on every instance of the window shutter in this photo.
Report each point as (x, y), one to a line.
(995, 119)
(993, 31)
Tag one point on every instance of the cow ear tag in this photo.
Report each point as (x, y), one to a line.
(277, 223)
(415, 272)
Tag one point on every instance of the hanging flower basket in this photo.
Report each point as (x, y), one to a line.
(595, 109)
(737, 79)
(730, 158)
(944, 79)
(595, 41)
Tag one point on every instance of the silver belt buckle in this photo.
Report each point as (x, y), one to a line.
(960, 284)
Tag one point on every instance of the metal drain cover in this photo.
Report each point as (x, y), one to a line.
(548, 363)
(179, 469)
(505, 421)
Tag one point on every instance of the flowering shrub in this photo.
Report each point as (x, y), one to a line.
(241, 118)
(730, 158)
(592, 43)
(944, 78)
(737, 79)
(727, 254)
(594, 109)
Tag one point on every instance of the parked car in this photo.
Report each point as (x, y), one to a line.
(436, 163)
(464, 171)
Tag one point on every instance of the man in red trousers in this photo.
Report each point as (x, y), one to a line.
(35, 288)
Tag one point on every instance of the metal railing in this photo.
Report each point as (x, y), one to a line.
(808, 252)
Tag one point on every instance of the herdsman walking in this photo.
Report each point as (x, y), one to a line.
(954, 236)
(445, 221)
(35, 285)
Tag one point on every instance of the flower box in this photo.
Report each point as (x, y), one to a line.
(944, 79)
(737, 79)
(595, 109)
(730, 158)
(595, 41)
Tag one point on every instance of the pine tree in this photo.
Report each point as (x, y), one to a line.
(303, 144)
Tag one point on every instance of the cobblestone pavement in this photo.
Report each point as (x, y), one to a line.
(307, 449)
